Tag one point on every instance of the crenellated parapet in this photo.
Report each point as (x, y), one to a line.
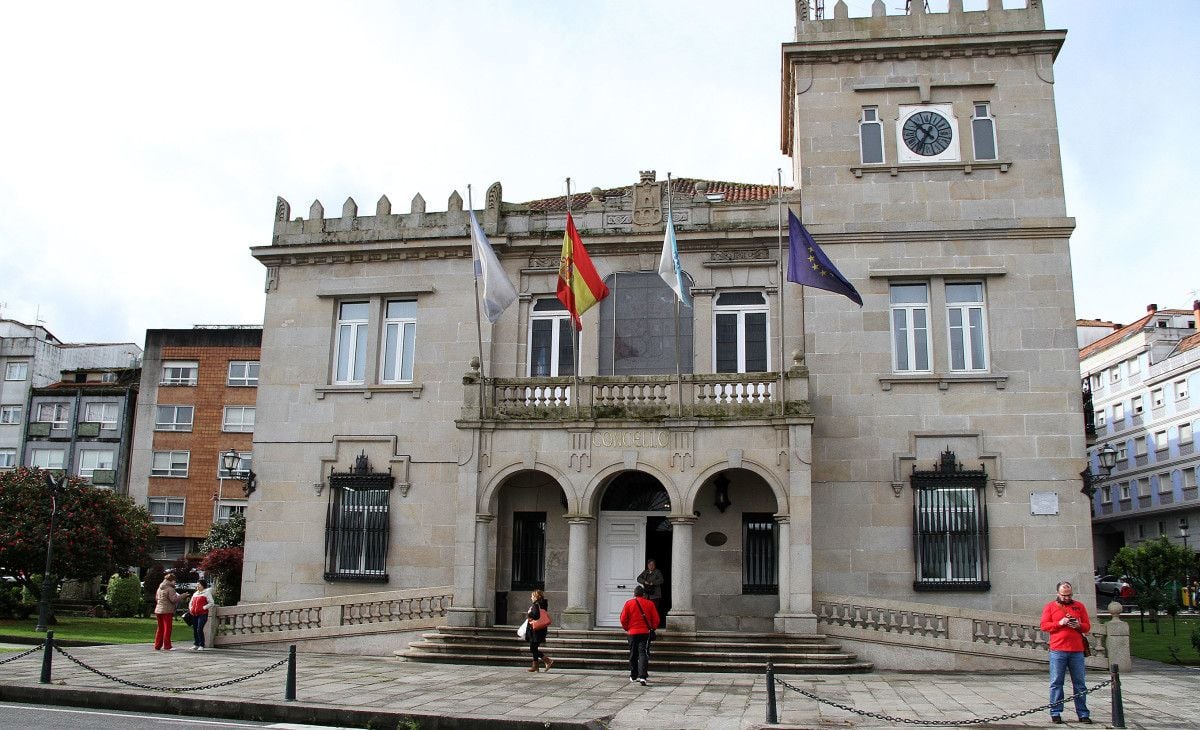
(918, 21)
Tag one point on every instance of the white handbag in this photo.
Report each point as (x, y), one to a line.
(522, 629)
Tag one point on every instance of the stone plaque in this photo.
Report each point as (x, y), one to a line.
(630, 439)
(1043, 503)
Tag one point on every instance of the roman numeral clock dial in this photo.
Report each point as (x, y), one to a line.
(927, 133)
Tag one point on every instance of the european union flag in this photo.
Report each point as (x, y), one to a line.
(808, 264)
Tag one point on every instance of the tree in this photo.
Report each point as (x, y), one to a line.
(1155, 569)
(228, 534)
(96, 531)
(225, 566)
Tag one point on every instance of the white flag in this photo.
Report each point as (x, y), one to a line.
(498, 290)
(668, 265)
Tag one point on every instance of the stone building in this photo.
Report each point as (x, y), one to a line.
(807, 457)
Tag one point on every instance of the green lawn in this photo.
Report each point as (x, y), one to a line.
(102, 630)
(1147, 644)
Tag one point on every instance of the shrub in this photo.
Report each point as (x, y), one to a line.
(154, 576)
(124, 596)
(225, 565)
(10, 596)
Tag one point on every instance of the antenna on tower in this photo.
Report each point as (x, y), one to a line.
(819, 9)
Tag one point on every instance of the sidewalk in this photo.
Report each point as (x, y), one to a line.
(333, 690)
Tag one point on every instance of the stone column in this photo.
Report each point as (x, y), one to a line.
(796, 552)
(577, 615)
(1116, 639)
(483, 558)
(784, 567)
(682, 617)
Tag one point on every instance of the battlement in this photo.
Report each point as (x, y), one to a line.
(917, 22)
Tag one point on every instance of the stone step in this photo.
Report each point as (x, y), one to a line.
(660, 649)
(619, 641)
(658, 663)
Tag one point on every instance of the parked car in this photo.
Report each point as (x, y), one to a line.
(1111, 585)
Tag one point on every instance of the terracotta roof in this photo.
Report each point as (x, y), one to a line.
(1127, 331)
(1191, 342)
(733, 192)
(1097, 323)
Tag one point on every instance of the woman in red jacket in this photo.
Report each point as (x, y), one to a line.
(1066, 620)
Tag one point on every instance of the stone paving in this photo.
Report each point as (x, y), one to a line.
(1156, 695)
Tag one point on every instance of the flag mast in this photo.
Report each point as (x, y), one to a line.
(678, 369)
(476, 261)
(782, 291)
(575, 307)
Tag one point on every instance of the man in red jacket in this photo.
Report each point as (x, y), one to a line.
(1066, 620)
(638, 617)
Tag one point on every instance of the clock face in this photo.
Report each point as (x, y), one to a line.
(927, 133)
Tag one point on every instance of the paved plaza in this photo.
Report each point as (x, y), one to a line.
(335, 689)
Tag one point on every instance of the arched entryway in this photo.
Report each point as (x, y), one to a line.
(532, 541)
(632, 528)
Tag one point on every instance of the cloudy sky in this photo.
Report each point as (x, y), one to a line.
(142, 144)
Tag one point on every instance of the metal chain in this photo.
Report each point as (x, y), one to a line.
(39, 647)
(939, 723)
(106, 675)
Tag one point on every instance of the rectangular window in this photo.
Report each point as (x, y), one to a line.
(1101, 418)
(180, 372)
(1139, 446)
(1124, 491)
(1115, 374)
(356, 532)
(983, 131)
(1142, 486)
(1181, 390)
(637, 325)
(870, 134)
(55, 414)
(967, 323)
(170, 464)
(245, 462)
(740, 338)
(92, 459)
(173, 418)
(1185, 434)
(16, 371)
(1162, 528)
(103, 413)
(225, 510)
(1136, 405)
(951, 527)
(350, 357)
(550, 340)
(238, 419)
(1160, 440)
(528, 551)
(1141, 531)
(1118, 414)
(1164, 483)
(8, 458)
(399, 341)
(242, 374)
(760, 570)
(1122, 452)
(46, 458)
(1189, 478)
(1106, 495)
(10, 414)
(1097, 382)
(1156, 398)
(1135, 366)
(166, 510)
(911, 345)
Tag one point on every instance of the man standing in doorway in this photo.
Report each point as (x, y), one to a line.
(652, 580)
(1066, 620)
(638, 618)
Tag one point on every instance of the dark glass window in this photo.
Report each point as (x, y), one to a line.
(357, 527)
(637, 327)
(740, 333)
(529, 550)
(760, 572)
(550, 340)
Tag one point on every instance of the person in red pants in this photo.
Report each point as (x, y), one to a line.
(165, 601)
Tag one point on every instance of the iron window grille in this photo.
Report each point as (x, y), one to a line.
(357, 530)
(950, 530)
(528, 551)
(760, 573)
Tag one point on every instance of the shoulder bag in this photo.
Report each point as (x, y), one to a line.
(653, 633)
(541, 622)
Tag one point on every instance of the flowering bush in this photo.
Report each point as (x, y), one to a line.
(225, 565)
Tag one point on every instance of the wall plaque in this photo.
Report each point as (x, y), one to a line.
(1043, 503)
(630, 439)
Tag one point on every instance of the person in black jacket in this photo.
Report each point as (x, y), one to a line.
(537, 637)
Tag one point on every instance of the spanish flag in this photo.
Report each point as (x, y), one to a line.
(579, 286)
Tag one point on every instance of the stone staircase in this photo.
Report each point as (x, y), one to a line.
(609, 649)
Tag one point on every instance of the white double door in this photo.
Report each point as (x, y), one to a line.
(620, 558)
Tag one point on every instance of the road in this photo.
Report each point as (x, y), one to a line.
(44, 717)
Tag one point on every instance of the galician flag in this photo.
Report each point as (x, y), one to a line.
(498, 291)
(579, 286)
(808, 264)
(668, 265)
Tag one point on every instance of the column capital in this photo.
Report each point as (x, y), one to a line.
(484, 517)
(579, 519)
(783, 519)
(688, 520)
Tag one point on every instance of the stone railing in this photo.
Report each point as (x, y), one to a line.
(713, 395)
(942, 628)
(338, 616)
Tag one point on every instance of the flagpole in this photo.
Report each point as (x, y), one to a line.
(678, 369)
(573, 315)
(476, 256)
(782, 291)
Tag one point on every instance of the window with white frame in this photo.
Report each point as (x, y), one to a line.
(551, 339)
(1118, 414)
(47, 458)
(180, 372)
(226, 510)
(1156, 398)
(870, 134)
(55, 414)
(1181, 390)
(167, 510)
(1160, 440)
(8, 458)
(1124, 486)
(1106, 495)
(16, 371)
(1164, 483)
(1136, 406)
(1115, 374)
(245, 459)
(238, 419)
(1122, 452)
(103, 413)
(911, 344)
(1189, 477)
(170, 464)
(242, 374)
(1142, 486)
(399, 340)
(967, 324)
(173, 418)
(1139, 446)
(983, 131)
(1097, 382)
(350, 355)
(1185, 434)
(1101, 418)
(93, 459)
(741, 343)
(10, 414)
(1135, 366)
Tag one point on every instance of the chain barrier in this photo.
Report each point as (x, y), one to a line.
(937, 723)
(154, 688)
(39, 647)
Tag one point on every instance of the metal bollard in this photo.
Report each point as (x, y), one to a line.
(47, 657)
(772, 710)
(1118, 706)
(289, 690)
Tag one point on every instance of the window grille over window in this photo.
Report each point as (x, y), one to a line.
(870, 134)
(760, 570)
(357, 525)
(983, 131)
(528, 551)
(950, 527)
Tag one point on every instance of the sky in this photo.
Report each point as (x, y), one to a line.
(143, 144)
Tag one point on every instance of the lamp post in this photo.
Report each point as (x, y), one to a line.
(231, 460)
(1183, 530)
(1107, 456)
(54, 485)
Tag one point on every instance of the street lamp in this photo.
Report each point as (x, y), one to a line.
(1183, 530)
(231, 460)
(1107, 457)
(55, 485)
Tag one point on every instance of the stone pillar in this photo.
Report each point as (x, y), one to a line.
(577, 615)
(1116, 639)
(682, 617)
(785, 569)
(483, 557)
(799, 617)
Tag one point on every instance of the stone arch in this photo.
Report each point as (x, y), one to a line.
(590, 501)
(783, 507)
(486, 503)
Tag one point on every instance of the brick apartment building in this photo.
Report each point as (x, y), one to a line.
(198, 393)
